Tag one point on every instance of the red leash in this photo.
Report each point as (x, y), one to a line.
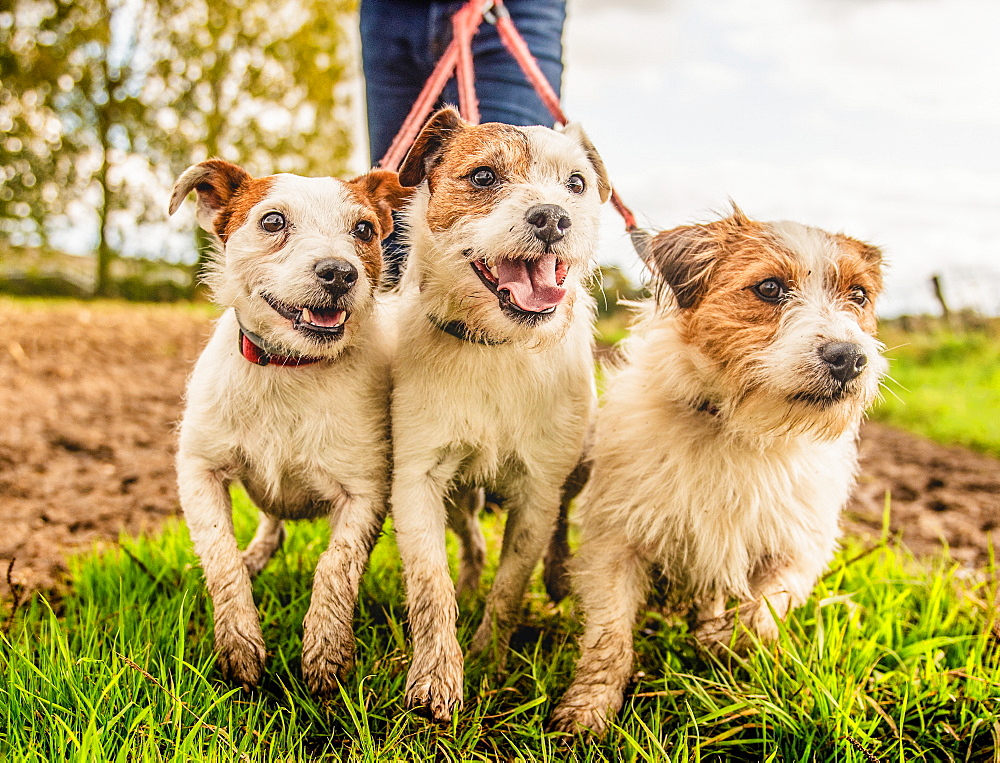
(457, 60)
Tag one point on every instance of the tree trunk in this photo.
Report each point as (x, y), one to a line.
(102, 277)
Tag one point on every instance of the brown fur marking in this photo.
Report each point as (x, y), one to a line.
(379, 191)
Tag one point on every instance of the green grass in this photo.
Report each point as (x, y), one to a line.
(888, 659)
(947, 386)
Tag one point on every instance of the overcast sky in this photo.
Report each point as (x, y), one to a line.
(880, 118)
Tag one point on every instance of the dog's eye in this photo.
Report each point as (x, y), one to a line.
(364, 230)
(483, 177)
(771, 290)
(858, 296)
(273, 222)
(576, 183)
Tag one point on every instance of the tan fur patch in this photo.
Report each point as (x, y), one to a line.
(234, 214)
(860, 265)
(379, 191)
(731, 321)
(503, 149)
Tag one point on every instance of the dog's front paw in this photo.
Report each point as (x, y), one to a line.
(327, 656)
(240, 655)
(435, 683)
(586, 708)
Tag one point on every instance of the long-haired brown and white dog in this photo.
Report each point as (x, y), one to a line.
(493, 376)
(726, 445)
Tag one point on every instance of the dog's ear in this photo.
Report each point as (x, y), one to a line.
(682, 259)
(216, 182)
(574, 131)
(382, 191)
(440, 129)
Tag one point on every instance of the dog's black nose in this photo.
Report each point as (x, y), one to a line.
(336, 276)
(549, 222)
(845, 360)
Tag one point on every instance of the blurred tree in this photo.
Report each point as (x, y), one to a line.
(256, 83)
(75, 69)
(104, 102)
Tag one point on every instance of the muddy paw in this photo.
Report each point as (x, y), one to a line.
(583, 714)
(326, 659)
(436, 687)
(240, 656)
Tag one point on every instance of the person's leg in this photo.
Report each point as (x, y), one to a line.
(398, 52)
(505, 95)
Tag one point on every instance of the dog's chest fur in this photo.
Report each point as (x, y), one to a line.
(709, 508)
(290, 435)
(497, 410)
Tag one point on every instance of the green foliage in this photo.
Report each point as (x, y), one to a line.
(104, 102)
(945, 385)
(888, 659)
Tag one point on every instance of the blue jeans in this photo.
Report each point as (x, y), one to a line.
(402, 40)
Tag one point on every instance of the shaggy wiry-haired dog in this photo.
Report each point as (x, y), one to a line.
(290, 397)
(493, 378)
(726, 446)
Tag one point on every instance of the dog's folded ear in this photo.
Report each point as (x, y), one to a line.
(682, 260)
(382, 191)
(216, 181)
(575, 131)
(439, 130)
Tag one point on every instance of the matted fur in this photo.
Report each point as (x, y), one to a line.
(509, 413)
(723, 454)
(305, 442)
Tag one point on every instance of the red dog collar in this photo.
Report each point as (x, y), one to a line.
(251, 348)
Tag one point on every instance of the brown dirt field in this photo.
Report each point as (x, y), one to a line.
(92, 394)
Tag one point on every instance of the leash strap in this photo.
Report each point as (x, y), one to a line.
(457, 60)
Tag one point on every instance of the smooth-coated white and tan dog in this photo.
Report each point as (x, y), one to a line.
(493, 378)
(289, 398)
(726, 446)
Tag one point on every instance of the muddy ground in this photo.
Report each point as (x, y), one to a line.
(91, 394)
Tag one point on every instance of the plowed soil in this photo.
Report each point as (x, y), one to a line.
(90, 396)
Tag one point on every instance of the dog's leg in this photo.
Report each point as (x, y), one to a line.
(532, 509)
(239, 642)
(266, 540)
(464, 507)
(611, 582)
(327, 631)
(436, 673)
(776, 591)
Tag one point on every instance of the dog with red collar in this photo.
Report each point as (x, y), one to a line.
(290, 397)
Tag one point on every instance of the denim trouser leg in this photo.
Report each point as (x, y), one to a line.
(402, 40)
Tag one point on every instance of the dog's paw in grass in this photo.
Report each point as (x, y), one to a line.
(327, 657)
(436, 684)
(240, 655)
(586, 709)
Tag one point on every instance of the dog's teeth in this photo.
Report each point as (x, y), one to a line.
(306, 315)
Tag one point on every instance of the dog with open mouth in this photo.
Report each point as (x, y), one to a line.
(726, 445)
(290, 397)
(493, 376)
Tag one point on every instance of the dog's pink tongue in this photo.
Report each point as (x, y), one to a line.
(531, 283)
